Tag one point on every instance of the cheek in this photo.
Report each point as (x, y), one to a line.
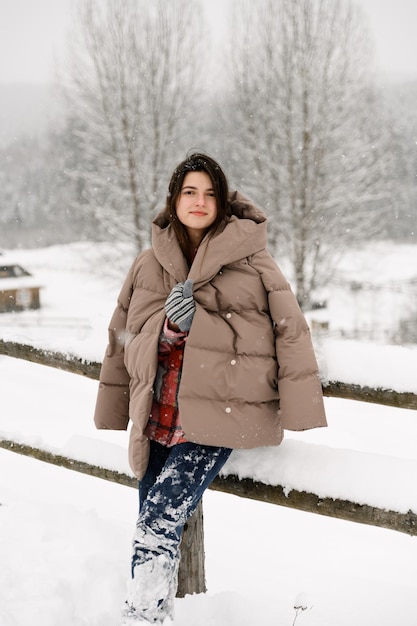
(213, 207)
(180, 209)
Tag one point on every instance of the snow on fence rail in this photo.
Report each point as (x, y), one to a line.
(191, 576)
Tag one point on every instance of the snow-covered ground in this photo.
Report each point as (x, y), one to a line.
(65, 538)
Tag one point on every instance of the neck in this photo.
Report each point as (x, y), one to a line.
(195, 238)
(194, 241)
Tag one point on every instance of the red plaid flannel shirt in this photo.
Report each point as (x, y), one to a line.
(164, 422)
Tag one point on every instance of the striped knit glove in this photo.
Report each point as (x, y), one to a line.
(180, 305)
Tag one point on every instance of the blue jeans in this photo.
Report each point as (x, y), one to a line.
(169, 493)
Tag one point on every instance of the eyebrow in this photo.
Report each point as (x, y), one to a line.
(195, 188)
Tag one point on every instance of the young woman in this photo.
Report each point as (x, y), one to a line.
(208, 351)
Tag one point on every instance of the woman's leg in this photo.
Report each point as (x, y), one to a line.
(188, 471)
(158, 455)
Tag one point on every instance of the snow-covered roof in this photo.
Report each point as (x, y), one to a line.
(21, 277)
(18, 282)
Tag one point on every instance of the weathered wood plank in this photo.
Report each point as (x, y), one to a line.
(311, 503)
(68, 463)
(388, 397)
(191, 574)
(67, 362)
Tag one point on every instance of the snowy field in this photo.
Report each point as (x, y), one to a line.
(65, 538)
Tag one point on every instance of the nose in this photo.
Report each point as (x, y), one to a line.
(200, 199)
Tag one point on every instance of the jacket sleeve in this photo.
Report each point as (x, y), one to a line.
(299, 387)
(112, 405)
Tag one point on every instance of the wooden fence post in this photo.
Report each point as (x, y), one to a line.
(191, 575)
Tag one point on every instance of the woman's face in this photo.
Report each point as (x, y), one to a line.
(196, 204)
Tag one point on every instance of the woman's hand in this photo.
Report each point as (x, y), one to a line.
(180, 306)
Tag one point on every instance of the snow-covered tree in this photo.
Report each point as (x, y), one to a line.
(400, 101)
(27, 185)
(311, 148)
(134, 93)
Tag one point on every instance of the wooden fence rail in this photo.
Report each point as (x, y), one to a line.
(191, 576)
(246, 488)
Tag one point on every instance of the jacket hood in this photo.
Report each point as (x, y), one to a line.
(243, 208)
(243, 235)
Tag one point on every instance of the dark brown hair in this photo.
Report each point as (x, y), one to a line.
(196, 162)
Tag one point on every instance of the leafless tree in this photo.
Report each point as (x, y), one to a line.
(312, 150)
(134, 91)
(400, 102)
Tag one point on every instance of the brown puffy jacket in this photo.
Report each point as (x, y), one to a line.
(249, 367)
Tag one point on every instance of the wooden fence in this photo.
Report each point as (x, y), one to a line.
(191, 575)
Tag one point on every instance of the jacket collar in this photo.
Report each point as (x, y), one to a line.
(244, 235)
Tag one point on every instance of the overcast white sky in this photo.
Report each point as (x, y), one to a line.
(32, 34)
